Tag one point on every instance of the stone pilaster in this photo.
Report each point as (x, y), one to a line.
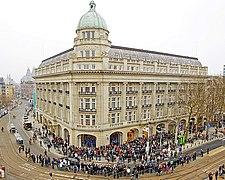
(76, 105)
(123, 102)
(154, 100)
(139, 102)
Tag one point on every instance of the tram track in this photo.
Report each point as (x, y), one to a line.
(199, 169)
(18, 167)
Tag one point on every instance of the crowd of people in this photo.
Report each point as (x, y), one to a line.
(128, 159)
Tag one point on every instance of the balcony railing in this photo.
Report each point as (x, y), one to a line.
(88, 127)
(171, 103)
(146, 105)
(146, 91)
(131, 92)
(159, 104)
(131, 107)
(114, 108)
(87, 93)
(172, 90)
(87, 110)
(160, 91)
(114, 92)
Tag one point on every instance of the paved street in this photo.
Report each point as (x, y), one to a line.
(18, 168)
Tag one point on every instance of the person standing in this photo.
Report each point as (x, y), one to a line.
(210, 176)
(216, 174)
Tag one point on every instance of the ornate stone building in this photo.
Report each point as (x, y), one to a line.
(27, 85)
(96, 93)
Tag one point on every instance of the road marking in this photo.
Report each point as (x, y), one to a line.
(29, 166)
(25, 168)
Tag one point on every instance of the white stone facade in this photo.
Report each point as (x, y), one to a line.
(99, 89)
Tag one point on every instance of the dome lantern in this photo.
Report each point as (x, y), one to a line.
(92, 19)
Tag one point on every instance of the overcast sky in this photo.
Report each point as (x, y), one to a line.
(33, 30)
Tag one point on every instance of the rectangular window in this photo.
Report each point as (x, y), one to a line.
(83, 34)
(93, 66)
(81, 104)
(81, 119)
(148, 114)
(134, 101)
(130, 116)
(93, 53)
(144, 117)
(82, 53)
(157, 112)
(88, 123)
(170, 98)
(93, 120)
(86, 66)
(87, 53)
(130, 101)
(130, 88)
(88, 35)
(93, 103)
(113, 102)
(113, 88)
(87, 103)
(92, 34)
(126, 101)
(158, 99)
(118, 102)
(93, 89)
(118, 117)
(145, 100)
(134, 115)
(113, 118)
(81, 89)
(87, 89)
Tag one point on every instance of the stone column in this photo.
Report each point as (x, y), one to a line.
(125, 135)
(139, 104)
(153, 129)
(104, 110)
(63, 102)
(123, 102)
(71, 103)
(166, 99)
(76, 104)
(57, 98)
(154, 100)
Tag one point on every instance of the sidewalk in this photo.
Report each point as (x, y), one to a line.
(186, 147)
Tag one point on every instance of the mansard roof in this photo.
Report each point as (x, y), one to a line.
(133, 54)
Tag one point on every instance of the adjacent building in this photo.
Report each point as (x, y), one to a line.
(96, 93)
(2, 91)
(27, 85)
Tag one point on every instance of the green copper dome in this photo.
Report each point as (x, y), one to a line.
(92, 19)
